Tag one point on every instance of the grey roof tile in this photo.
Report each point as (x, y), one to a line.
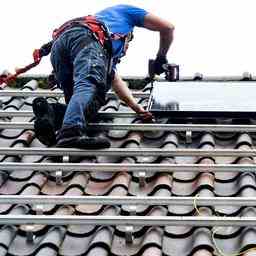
(7, 234)
(101, 240)
(187, 243)
(150, 239)
(46, 244)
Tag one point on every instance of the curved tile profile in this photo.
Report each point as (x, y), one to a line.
(24, 139)
(14, 104)
(120, 134)
(244, 181)
(111, 105)
(56, 176)
(30, 86)
(202, 186)
(92, 240)
(152, 185)
(5, 142)
(151, 242)
(168, 141)
(116, 187)
(242, 185)
(108, 176)
(100, 244)
(40, 230)
(20, 183)
(171, 138)
(203, 181)
(46, 244)
(97, 243)
(15, 133)
(244, 139)
(133, 140)
(143, 237)
(188, 244)
(78, 180)
(5, 99)
(231, 242)
(82, 239)
(158, 185)
(73, 187)
(153, 135)
(207, 139)
(225, 136)
(121, 179)
(7, 234)
(12, 186)
(11, 133)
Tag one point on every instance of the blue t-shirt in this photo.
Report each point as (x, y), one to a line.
(121, 19)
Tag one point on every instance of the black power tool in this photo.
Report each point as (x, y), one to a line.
(171, 71)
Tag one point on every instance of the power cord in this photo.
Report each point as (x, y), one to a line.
(217, 249)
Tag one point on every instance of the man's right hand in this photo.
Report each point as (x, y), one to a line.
(158, 64)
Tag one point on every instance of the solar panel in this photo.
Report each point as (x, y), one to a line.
(204, 99)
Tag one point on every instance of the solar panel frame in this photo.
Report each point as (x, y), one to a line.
(203, 100)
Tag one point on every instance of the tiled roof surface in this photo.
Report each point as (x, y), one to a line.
(105, 240)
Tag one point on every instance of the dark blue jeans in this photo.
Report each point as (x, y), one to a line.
(80, 64)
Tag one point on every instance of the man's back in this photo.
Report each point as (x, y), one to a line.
(121, 19)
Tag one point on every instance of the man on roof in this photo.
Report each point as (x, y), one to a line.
(84, 55)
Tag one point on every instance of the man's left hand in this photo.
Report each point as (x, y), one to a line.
(37, 55)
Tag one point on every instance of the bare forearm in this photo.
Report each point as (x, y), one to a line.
(166, 38)
(123, 92)
(166, 31)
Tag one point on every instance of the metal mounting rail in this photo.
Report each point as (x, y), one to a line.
(127, 152)
(23, 113)
(78, 167)
(127, 220)
(57, 93)
(175, 127)
(127, 200)
(147, 127)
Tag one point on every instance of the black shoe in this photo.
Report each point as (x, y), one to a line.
(44, 121)
(73, 137)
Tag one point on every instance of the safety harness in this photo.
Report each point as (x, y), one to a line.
(98, 29)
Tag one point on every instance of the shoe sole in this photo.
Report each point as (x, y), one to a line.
(83, 143)
(44, 129)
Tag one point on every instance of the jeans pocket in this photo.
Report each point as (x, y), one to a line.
(98, 71)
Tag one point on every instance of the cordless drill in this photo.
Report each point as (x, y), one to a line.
(171, 71)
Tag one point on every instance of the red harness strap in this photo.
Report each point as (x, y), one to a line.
(88, 21)
(6, 79)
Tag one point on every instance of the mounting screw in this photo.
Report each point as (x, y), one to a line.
(39, 209)
(58, 177)
(30, 237)
(142, 179)
(128, 234)
(132, 210)
(188, 137)
(65, 159)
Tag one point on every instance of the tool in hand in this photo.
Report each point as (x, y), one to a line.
(171, 70)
